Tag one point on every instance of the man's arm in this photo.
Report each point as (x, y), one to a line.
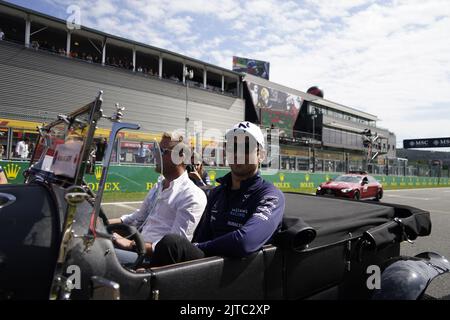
(115, 221)
(254, 233)
(189, 214)
(138, 217)
(130, 245)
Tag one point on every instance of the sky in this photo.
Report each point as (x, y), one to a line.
(388, 58)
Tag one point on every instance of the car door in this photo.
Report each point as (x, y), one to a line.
(29, 227)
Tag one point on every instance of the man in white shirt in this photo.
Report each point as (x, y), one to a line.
(22, 148)
(2, 34)
(174, 205)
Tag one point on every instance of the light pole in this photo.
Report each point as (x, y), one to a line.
(313, 116)
(187, 74)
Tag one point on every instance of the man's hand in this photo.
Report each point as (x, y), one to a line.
(115, 221)
(123, 243)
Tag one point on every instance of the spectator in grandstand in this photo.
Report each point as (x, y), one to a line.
(242, 214)
(35, 45)
(2, 34)
(31, 147)
(197, 173)
(22, 148)
(3, 179)
(102, 144)
(2, 151)
(174, 204)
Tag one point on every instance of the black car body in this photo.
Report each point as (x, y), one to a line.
(56, 225)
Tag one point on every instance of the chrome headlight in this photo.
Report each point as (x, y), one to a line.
(319, 188)
(346, 190)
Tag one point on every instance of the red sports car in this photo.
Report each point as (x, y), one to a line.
(353, 185)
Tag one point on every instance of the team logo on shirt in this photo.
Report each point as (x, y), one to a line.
(238, 212)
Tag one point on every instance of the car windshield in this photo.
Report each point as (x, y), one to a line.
(351, 179)
(60, 146)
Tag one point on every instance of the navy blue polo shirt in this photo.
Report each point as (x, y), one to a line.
(239, 222)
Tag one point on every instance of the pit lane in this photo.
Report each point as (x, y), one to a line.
(434, 200)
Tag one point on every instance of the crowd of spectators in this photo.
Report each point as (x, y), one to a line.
(122, 62)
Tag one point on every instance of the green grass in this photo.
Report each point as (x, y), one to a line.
(123, 196)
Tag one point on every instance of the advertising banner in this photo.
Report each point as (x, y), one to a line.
(251, 66)
(427, 143)
(275, 107)
(135, 178)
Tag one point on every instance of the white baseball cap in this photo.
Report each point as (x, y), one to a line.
(248, 128)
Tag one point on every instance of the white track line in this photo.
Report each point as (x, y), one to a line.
(443, 189)
(119, 203)
(126, 206)
(406, 197)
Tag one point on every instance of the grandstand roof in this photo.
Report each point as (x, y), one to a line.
(40, 17)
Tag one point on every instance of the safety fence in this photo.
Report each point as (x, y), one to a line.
(129, 179)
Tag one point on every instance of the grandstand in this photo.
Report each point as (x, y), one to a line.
(47, 70)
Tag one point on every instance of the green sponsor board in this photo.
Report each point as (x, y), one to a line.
(128, 178)
(14, 170)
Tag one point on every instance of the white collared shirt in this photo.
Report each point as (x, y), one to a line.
(177, 210)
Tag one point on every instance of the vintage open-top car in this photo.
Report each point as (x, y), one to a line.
(56, 241)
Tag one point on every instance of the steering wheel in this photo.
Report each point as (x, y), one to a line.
(133, 234)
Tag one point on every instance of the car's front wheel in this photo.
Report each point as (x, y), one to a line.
(357, 196)
(379, 195)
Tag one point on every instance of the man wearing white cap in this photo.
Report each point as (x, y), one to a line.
(242, 214)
